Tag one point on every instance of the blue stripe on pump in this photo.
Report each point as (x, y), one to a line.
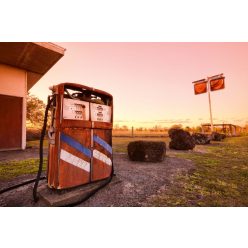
(75, 144)
(102, 143)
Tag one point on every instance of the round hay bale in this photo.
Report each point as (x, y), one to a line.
(146, 151)
(173, 131)
(181, 140)
(201, 139)
(218, 136)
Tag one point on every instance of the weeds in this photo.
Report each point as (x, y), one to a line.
(9, 170)
(220, 177)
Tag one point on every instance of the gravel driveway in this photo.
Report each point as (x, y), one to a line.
(21, 154)
(133, 184)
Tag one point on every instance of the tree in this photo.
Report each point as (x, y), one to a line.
(116, 127)
(177, 126)
(188, 129)
(198, 129)
(140, 129)
(35, 110)
(124, 127)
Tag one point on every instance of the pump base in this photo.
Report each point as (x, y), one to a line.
(70, 197)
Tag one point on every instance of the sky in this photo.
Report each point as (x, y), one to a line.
(152, 82)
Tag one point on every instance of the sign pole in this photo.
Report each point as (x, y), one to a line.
(204, 85)
(210, 108)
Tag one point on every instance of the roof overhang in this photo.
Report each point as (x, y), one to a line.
(35, 57)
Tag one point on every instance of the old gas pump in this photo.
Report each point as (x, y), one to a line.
(80, 136)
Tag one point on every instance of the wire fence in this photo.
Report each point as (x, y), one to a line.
(132, 132)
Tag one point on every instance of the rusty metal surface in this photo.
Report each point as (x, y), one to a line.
(80, 86)
(69, 174)
(76, 159)
(76, 124)
(200, 88)
(101, 169)
(50, 169)
(217, 84)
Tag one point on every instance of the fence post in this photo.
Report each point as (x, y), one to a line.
(132, 133)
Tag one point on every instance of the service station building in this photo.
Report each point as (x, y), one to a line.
(22, 64)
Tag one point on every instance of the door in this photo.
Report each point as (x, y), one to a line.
(75, 157)
(10, 122)
(101, 154)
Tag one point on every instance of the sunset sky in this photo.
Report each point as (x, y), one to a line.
(152, 82)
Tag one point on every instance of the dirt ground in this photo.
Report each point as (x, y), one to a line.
(21, 154)
(133, 184)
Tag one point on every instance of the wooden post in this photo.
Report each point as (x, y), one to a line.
(132, 133)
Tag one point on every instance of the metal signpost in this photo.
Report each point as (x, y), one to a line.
(212, 83)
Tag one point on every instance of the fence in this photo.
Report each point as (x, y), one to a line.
(132, 132)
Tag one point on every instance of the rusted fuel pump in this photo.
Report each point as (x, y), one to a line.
(80, 137)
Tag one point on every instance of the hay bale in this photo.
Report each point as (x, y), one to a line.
(201, 139)
(218, 136)
(172, 131)
(181, 140)
(146, 151)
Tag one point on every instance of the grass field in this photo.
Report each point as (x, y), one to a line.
(12, 169)
(219, 177)
(143, 133)
(119, 143)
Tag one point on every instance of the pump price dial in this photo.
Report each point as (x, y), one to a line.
(75, 109)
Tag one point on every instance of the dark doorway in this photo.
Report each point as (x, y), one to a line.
(10, 122)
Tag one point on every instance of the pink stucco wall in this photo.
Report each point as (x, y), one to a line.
(12, 81)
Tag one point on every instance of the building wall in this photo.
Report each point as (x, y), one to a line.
(13, 82)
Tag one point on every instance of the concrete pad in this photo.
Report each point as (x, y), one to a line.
(68, 197)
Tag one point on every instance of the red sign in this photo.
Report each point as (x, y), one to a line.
(217, 84)
(200, 87)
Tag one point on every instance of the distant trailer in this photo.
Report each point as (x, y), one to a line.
(228, 129)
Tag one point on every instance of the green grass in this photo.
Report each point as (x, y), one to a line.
(119, 143)
(11, 169)
(220, 177)
(36, 143)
